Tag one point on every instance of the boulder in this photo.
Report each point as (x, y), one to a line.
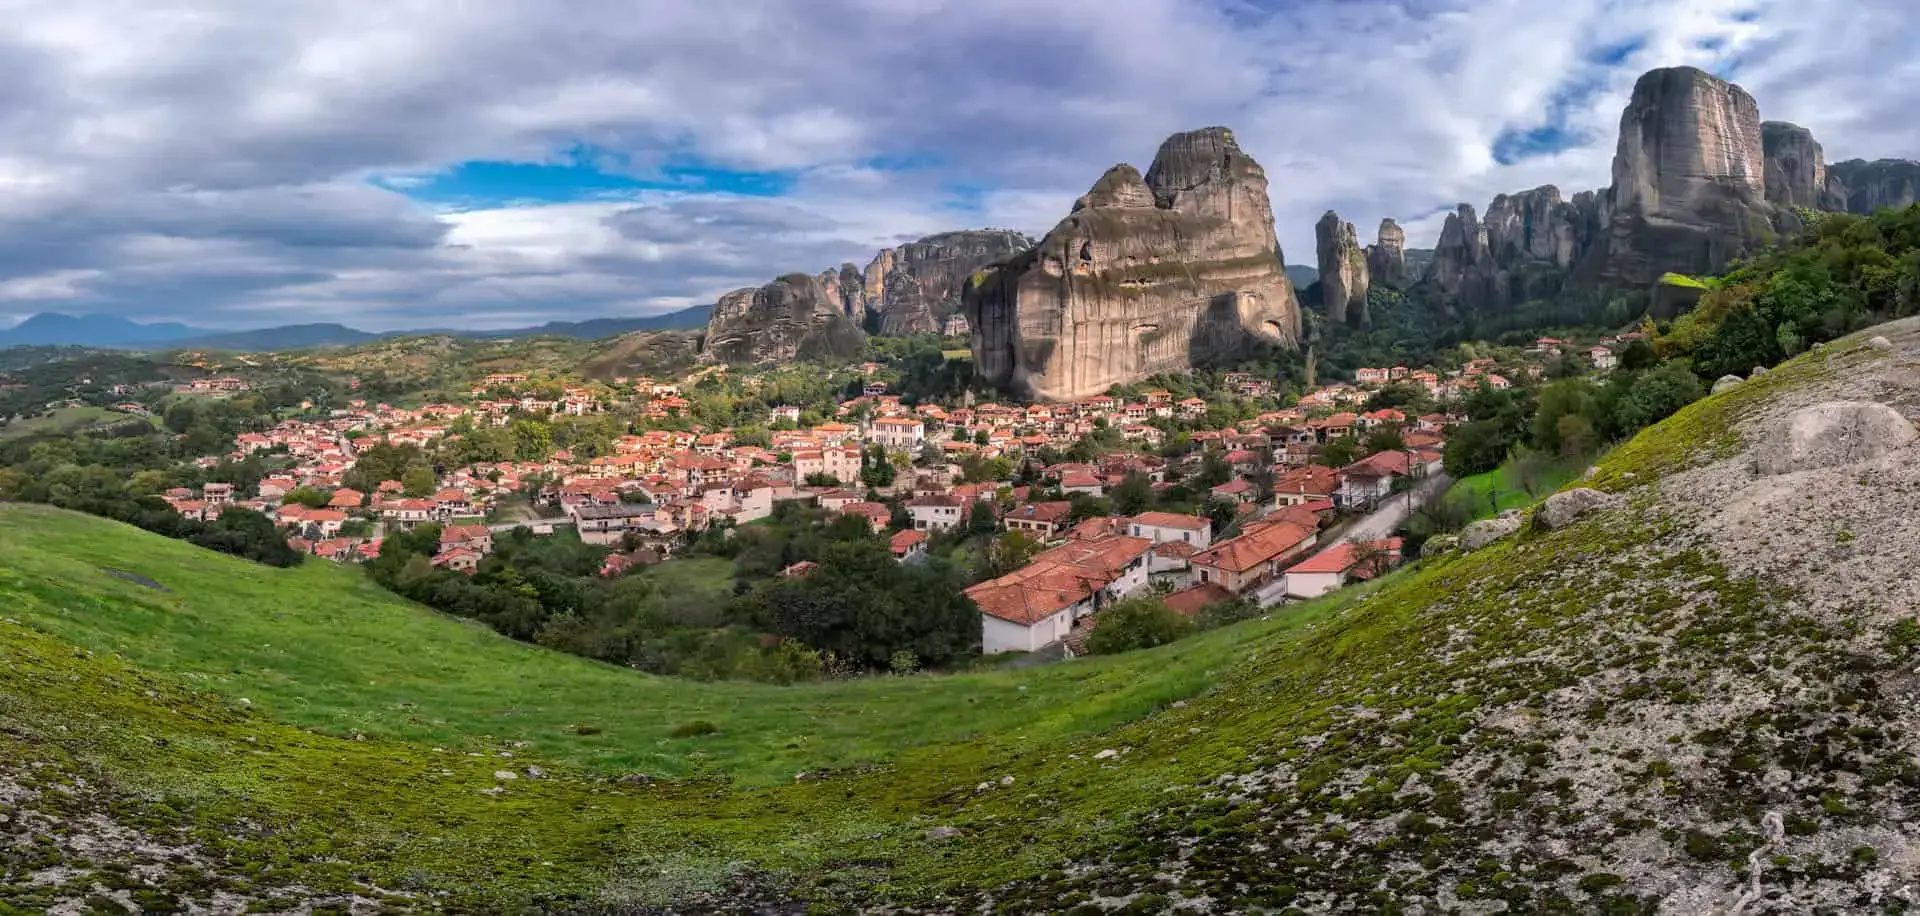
(1567, 506)
(1439, 545)
(1147, 274)
(1880, 343)
(1832, 434)
(1726, 383)
(1481, 533)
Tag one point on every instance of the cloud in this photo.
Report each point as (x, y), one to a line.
(246, 164)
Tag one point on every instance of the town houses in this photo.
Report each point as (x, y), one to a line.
(1237, 489)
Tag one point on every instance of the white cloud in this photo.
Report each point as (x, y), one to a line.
(211, 161)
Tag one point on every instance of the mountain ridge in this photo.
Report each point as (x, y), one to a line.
(116, 333)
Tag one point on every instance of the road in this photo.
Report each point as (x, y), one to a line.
(1381, 522)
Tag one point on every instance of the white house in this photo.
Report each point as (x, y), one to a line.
(898, 433)
(935, 513)
(1162, 527)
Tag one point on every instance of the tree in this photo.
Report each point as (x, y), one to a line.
(1385, 439)
(982, 521)
(307, 496)
(876, 469)
(1133, 494)
(1475, 448)
(1655, 395)
(1577, 437)
(1136, 623)
(1338, 452)
(419, 482)
(532, 440)
(822, 479)
(1004, 554)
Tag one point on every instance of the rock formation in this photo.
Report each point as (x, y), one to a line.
(920, 282)
(1343, 271)
(1387, 256)
(844, 288)
(790, 318)
(1859, 186)
(1146, 275)
(1689, 180)
(1796, 167)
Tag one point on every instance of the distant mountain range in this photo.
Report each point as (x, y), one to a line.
(114, 332)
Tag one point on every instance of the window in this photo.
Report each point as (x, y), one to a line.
(1203, 577)
(1186, 535)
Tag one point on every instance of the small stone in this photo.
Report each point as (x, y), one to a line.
(536, 773)
(244, 701)
(1006, 780)
(1757, 372)
(1107, 754)
(505, 774)
(496, 790)
(983, 787)
(1179, 704)
(942, 833)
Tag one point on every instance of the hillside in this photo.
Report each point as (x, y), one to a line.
(1710, 673)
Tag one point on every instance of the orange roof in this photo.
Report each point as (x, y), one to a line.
(1343, 557)
(904, 541)
(1267, 543)
(1189, 601)
(1170, 520)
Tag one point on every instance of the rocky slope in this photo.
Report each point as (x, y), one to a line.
(1344, 270)
(790, 318)
(1148, 274)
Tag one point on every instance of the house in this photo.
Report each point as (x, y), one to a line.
(1249, 560)
(607, 524)
(835, 500)
(459, 559)
(1340, 564)
(1038, 604)
(1305, 484)
(450, 502)
(346, 499)
(1081, 482)
(908, 546)
(1602, 358)
(1188, 601)
(1238, 490)
(1364, 483)
(787, 413)
(1164, 527)
(328, 521)
(1042, 520)
(876, 514)
(901, 434)
(217, 494)
(477, 538)
(937, 512)
(1370, 376)
(619, 564)
(406, 512)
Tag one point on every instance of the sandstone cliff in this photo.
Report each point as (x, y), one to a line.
(790, 318)
(920, 282)
(1689, 180)
(1387, 256)
(1796, 173)
(1343, 270)
(1146, 275)
(1858, 186)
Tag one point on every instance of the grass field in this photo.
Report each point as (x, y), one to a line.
(1500, 489)
(322, 647)
(66, 418)
(961, 353)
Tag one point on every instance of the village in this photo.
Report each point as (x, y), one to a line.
(1296, 524)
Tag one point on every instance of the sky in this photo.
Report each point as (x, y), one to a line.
(419, 163)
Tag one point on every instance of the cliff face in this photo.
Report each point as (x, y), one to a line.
(1859, 186)
(1796, 173)
(1387, 256)
(790, 318)
(920, 282)
(1146, 275)
(1522, 250)
(1344, 277)
(1689, 179)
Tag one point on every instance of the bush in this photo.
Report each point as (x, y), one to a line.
(1136, 623)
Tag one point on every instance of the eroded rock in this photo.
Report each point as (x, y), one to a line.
(1833, 434)
(1153, 274)
(1726, 383)
(1567, 506)
(788, 319)
(1481, 533)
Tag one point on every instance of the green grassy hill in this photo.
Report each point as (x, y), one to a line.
(1611, 716)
